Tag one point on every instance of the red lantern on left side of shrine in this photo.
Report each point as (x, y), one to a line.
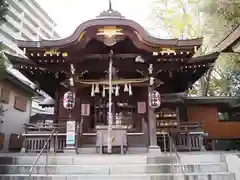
(69, 100)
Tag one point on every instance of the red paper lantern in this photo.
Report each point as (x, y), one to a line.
(69, 100)
(154, 99)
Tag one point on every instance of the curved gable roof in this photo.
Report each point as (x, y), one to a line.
(111, 18)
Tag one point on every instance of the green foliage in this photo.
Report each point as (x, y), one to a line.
(173, 17)
(2, 64)
(3, 72)
(212, 19)
(3, 11)
(220, 18)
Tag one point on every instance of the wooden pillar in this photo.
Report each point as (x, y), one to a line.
(24, 145)
(56, 106)
(71, 131)
(152, 127)
(213, 145)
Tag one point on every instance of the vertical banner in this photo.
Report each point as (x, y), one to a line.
(141, 106)
(85, 110)
(70, 139)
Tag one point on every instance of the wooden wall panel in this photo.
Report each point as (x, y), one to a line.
(83, 97)
(216, 129)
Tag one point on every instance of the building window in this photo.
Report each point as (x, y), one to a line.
(229, 114)
(5, 95)
(20, 103)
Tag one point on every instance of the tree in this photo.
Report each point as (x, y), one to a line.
(220, 17)
(3, 11)
(212, 19)
(176, 17)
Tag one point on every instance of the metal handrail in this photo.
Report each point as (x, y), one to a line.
(176, 152)
(79, 134)
(41, 152)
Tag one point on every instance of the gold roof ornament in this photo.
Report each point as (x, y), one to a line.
(167, 50)
(52, 51)
(65, 54)
(109, 31)
(81, 35)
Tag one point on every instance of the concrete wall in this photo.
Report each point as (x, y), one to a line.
(13, 118)
(233, 161)
(216, 129)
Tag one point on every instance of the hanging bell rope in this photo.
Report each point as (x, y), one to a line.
(92, 90)
(130, 90)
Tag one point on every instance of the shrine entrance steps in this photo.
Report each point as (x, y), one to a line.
(198, 166)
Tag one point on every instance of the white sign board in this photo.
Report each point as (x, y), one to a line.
(70, 139)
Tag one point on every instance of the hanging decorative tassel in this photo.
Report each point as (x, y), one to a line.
(195, 48)
(150, 69)
(125, 88)
(92, 91)
(103, 91)
(130, 90)
(97, 88)
(117, 90)
(71, 81)
(151, 81)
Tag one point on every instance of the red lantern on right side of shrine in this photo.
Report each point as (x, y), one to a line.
(69, 100)
(154, 99)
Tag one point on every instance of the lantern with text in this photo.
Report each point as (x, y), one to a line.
(69, 100)
(154, 99)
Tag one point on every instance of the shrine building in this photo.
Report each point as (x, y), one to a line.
(129, 90)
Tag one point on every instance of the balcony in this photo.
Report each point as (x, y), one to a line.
(9, 32)
(15, 25)
(13, 13)
(10, 44)
(30, 15)
(40, 14)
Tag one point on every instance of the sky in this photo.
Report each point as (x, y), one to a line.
(71, 13)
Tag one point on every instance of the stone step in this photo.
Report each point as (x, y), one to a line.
(186, 158)
(114, 169)
(189, 176)
(61, 159)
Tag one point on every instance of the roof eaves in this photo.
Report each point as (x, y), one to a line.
(229, 40)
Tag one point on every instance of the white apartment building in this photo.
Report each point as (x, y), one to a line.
(28, 21)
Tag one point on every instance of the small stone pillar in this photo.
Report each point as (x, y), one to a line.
(52, 144)
(70, 137)
(24, 144)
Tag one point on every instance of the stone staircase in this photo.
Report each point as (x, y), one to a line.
(111, 167)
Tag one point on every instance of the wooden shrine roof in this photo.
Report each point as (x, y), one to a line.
(107, 22)
(227, 44)
(173, 72)
(87, 49)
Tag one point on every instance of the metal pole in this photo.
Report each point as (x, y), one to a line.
(110, 120)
